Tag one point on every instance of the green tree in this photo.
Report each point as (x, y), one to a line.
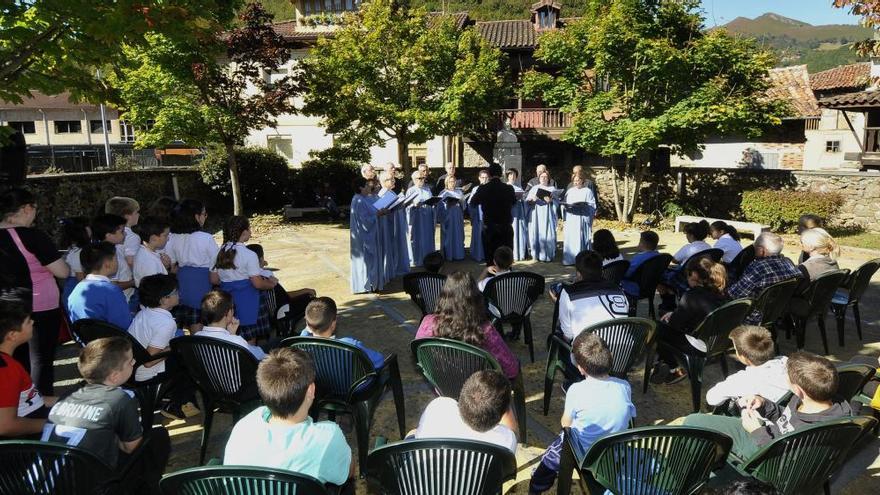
(639, 74)
(869, 11)
(210, 92)
(390, 72)
(55, 45)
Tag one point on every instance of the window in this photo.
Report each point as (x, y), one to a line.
(282, 145)
(24, 127)
(832, 146)
(127, 131)
(68, 126)
(95, 127)
(272, 77)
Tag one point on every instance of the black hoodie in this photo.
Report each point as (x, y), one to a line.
(788, 419)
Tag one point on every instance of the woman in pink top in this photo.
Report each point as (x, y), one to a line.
(461, 315)
(30, 260)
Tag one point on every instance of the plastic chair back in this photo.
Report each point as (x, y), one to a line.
(742, 260)
(222, 370)
(239, 480)
(852, 378)
(614, 272)
(514, 294)
(89, 329)
(424, 289)
(340, 368)
(627, 339)
(655, 459)
(773, 300)
(715, 254)
(801, 461)
(441, 467)
(860, 279)
(650, 273)
(43, 468)
(820, 291)
(716, 327)
(448, 363)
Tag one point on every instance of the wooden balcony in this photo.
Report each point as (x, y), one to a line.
(550, 122)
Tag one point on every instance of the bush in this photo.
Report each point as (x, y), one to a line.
(781, 209)
(325, 174)
(263, 174)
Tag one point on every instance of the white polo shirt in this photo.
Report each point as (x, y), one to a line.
(730, 246)
(73, 260)
(223, 334)
(152, 327)
(198, 249)
(132, 242)
(123, 271)
(442, 419)
(146, 263)
(247, 265)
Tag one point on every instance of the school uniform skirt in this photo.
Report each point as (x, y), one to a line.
(251, 309)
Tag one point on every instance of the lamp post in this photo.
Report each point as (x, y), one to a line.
(104, 127)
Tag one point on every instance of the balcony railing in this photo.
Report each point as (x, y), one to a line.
(872, 139)
(532, 118)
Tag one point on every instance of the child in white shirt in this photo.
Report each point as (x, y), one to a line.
(147, 261)
(218, 318)
(765, 374)
(195, 252)
(130, 210)
(503, 261)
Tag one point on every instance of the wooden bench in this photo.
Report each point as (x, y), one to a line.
(291, 212)
(748, 227)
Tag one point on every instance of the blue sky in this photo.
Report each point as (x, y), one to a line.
(811, 11)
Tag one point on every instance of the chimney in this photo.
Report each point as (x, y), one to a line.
(545, 15)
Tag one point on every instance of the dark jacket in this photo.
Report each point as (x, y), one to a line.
(787, 419)
(496, 199)
(693, 307)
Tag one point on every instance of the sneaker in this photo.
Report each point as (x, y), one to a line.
(173, 411)
(189, 410)
(660, 373)
(676, 375)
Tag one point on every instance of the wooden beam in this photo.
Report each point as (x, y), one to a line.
(855, 134)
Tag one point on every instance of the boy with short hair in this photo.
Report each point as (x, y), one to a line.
(130, 210)
(23, 410)
(596, 406)
(765, 375)
(154, 232)
(482, 412)
(433, 262)
(321, 322)
(281, 434)
(96, 296)
(813, 380)
(111, 228)
(503, 260)
(218, 318)
(648, 241)
(103, 418)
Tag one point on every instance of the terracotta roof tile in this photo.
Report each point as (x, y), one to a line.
(852, 76)
(858, 100)
(792, 84)
(509, 34)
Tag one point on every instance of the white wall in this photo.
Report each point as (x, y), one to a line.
(832, 127)
(79, 138)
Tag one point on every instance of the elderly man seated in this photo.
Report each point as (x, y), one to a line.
(768, 268)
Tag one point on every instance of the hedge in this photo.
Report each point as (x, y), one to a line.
(263, 174)
(780, 209)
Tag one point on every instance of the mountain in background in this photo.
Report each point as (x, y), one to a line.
(796, 42)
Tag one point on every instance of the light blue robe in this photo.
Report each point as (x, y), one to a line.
(387, 244)
(542, 229)
(476, 214)
(365, 256)
(578, 229)
(421, 224)
(519, 211)
(450, 216)
(401, 242)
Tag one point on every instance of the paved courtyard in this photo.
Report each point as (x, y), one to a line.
(317, 255)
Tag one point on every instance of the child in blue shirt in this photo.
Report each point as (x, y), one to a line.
(321, 322)
(594, 407)
(96, 296)
(648, 241)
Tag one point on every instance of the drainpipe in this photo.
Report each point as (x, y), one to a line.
(48, 141)
(88, 126)
(106, 137)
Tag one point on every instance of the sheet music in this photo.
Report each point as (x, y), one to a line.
(384, 201)
(533, 191)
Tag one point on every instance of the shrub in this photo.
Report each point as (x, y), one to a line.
(264, 176)
(781, 209)
(325, 174)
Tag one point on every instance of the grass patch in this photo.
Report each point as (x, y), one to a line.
(865, 240)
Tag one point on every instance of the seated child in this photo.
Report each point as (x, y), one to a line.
(148, 261)
(433, 262)
(482, 413)
(96, 296)
(813, 380)
(130, 210)
(289, 306)
(765, 374)
(594, 407)
(648, 241)
(111, 228)
(218, 318)
(75, 235)
(103, 418)
(153, 327)
(281, 434)
(23, 410)
(503, 260)
(321, 322)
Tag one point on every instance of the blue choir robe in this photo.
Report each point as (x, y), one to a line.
(365, 256)
(450, 216)
(421, 224)
(476, 214)
(577, 231)
(542, 229)
(519, 211)
(401, 242)
(388, 244)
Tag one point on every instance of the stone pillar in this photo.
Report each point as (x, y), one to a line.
(507, 151)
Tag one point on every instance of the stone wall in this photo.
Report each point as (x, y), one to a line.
(65, 195)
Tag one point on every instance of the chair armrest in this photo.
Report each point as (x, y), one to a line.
(214, 461)
(161, 355)
(380, 441)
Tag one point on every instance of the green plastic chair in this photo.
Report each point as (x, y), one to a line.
(225, 375)
(239, 480)
(850, 295)
(627, 338)
(510, 298)
(772, 303)
(801, 461)
(346, 382)
(852, 378)
(441, 466)
(715, 332)
(817, 296)
(43, 468)
(446, 364)
(649, 275)
(669, 460)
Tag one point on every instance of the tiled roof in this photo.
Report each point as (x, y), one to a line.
(792, 84)
(514, 34)
(54, 102)
(287, 30)
(859, 100)
(853, 76)
(542, 3)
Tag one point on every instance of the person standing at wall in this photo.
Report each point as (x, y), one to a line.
(496, 199)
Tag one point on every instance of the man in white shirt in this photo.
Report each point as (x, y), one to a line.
(218, 316)
(481, 413)
(591, 300)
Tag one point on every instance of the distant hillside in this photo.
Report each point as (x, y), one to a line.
(796, 42)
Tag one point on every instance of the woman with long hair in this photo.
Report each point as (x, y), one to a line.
(605, 244)
(461, 315)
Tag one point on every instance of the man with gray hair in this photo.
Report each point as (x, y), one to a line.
(768, 268)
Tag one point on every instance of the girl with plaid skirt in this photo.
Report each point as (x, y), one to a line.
(195, 252)
(239, 271)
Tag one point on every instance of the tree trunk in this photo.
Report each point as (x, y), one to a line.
(639, 172)
(618, 209)
(237, 207)
(403, 154)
